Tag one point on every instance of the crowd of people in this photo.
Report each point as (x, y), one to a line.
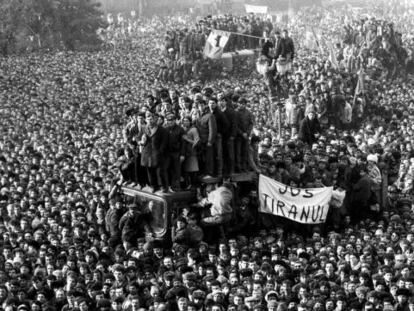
(77, 126)
(184, 41)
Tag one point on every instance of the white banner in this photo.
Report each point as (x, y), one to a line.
(257, 9)
(215, 43)
(307, 206)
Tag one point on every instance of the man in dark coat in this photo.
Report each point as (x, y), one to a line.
(222, 130)
(131, 168)
(230, 135)
(309, 128)
(338, 106)
(180, 234)
(244, 128)
(284, 47)
(112, 218)
(154, 139)
(266, 44)
(359, 194)
(207, 128)
(133, 225)
(175, 152)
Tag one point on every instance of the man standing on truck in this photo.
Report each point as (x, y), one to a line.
(229, 136)
(207, 128)
(154, 142)
(245, 123)
(175, 152)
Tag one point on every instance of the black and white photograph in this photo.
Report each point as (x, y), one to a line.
(206, 155)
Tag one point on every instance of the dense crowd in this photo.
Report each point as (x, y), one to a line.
(77, 126)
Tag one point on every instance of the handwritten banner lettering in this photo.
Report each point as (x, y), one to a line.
(307, 206)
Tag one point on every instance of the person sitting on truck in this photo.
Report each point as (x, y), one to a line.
(220, 211)
(154, 141)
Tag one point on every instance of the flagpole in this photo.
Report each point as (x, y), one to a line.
(359, 87)
(235, 33)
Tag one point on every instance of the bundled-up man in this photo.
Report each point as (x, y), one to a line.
(244, 119)
(175, 152)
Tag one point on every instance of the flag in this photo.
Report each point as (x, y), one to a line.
(332, 56)
(360, 88)
(317, 40)
(215, 43)
(110, 19)
(120, 18)
(310, 41)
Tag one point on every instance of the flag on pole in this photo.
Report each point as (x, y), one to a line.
(332, 56)
(310, 41)
(120, 18)
(110, 19)
(360, 88)
(317, 40)
(215, 44)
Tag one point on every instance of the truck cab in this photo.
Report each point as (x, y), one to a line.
(164, 207)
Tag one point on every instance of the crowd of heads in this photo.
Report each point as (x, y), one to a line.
(63, 130)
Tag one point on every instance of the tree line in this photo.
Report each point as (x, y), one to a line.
(28, 25)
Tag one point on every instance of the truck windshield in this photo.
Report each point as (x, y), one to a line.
(152, 206)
